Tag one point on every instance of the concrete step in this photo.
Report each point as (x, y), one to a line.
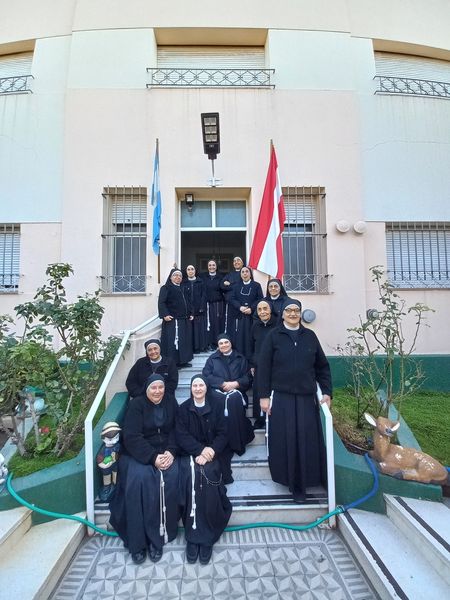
(392, 563)
(427, 527)
(37, 562)
(13, 526)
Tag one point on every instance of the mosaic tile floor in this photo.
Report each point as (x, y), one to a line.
(256, 564)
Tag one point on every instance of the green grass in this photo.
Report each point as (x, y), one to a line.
(427, 415)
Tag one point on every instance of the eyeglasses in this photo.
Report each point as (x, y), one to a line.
(292, 311)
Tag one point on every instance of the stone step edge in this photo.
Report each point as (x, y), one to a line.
(424, 537)
(49, 564)
(18, 523)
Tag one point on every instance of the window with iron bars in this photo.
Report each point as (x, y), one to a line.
(124, 240)
(9, 257)
(304, 240)
(418, 254)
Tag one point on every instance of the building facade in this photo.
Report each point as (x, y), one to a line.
(353, 94)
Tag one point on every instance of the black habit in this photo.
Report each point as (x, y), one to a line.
(289, 364)
(144, 367)
(176, 335)
(148, 430)
(195, 292)
(260, 331)
(234, 279)
(215, 307)
(248, 295)
(195, 429)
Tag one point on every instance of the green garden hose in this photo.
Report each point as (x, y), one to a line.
(338, 510)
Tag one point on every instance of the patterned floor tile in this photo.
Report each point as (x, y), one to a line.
(254, 564)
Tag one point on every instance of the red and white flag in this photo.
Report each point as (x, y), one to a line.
(267, 249)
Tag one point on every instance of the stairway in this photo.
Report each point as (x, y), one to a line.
(33, 558)
(406, 553)
(254, 496)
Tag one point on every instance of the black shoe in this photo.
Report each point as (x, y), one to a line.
(154, 553)
(299, 497)
(260, 423)
(184, 365)
(191, 552)
(205, 554)
(139, 557)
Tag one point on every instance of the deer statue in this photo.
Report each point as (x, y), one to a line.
(403, 463)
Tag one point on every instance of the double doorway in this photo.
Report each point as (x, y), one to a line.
(213, 229)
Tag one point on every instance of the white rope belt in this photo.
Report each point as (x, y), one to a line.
(208, 323)
(175, 340)
(225, 412)
(193, 504)
(267, 424)
(162, 509)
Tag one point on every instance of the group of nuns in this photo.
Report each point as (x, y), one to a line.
(176, 460)
(195, 309)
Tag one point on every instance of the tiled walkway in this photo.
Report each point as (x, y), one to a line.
(259, 563)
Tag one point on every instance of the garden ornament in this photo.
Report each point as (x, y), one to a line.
(400, 462)
(107, 459)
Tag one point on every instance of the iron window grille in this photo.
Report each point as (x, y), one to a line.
(219, 77)
(124, 240)
(9, 258)
(407, 86)
(418, 254)
(304, 240)
(20, 84)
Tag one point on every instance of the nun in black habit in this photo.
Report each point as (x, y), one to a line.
(215, 306)
(176, 312)
(201, 433)
(195, 292)
(228, 376)
(144, 509)
(153, 362)
(246, 296)
(229, 283)
(290, 363)
(276, 297)
(263, 323)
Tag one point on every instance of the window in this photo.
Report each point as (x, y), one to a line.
(211, 66)
(15, 72)
(9, 257)
(304, 240)
(124, 240)
(418, 254)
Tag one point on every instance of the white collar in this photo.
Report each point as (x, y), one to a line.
(291, 328)
(199, 405)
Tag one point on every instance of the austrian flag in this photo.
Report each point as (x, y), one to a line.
(267, 250)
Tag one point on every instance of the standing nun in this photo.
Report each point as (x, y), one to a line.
(176, 312)
(144, 509)
(290, 363)
(195, 292)
(201, 436)
(229, 282)
(215, 311)
(246, 296)
(276, 297)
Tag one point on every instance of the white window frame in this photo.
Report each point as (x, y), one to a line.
(304, 240)
(124, 236)
(418, 254)
(9, 258)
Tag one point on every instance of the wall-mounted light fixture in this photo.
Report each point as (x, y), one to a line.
(308, 315)
(342, 226)
(189, 200)
(211, 140)
(360, 227)
(372, 313)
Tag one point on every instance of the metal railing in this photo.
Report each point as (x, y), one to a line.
(210, 78)
(9, 283)
(419, 279)
(123, 284)
(307, 282)
(415, 87)
(329, 444)
(88, 439)
(16, 85)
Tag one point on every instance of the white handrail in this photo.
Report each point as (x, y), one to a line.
(329, 442)
(88, 441)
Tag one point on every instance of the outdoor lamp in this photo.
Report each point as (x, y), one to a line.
(372, 313)
(189, 200)
(211, 134)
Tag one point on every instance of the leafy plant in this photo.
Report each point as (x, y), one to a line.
(382, 363)
(70, 374)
